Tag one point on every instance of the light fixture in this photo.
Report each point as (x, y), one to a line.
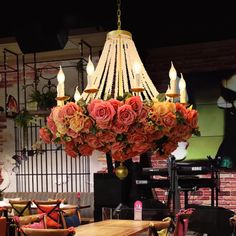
(120, 112)
(119, 70)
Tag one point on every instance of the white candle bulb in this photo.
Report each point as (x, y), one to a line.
(137, 70)
(60, 86)
(173, 76)
(90, 71)
(77, 94)
(168, 92)
(182, 88)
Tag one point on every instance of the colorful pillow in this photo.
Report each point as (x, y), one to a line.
(52, 218)
(36, 225)
(70, 218)
(19, 207)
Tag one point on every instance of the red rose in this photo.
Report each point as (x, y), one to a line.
(169, 120)
(119, 128)
(93, 141)
(106, 137)
(85, 150)
(192, 118)
(70, 149)
(45, 135)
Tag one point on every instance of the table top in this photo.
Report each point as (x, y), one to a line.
(116, 227)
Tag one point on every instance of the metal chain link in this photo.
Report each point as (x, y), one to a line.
(118, 14)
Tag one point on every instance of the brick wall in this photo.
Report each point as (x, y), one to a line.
(227, 194)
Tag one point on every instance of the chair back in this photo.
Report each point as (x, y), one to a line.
(21, 207)
(46, 232)
(51, 209)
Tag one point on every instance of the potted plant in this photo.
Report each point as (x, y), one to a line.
(44, 100)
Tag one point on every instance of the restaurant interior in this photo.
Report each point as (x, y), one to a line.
(118, 119)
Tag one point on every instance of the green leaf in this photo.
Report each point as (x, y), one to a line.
(119, 137)
(161, 97)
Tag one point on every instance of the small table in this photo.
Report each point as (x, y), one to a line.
(116, 227)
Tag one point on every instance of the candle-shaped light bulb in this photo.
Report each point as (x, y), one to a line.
(77, 94)
(182, 89)
(168, 92)
(173, 76)
(137, 74)
(60, 86)
(90, 71)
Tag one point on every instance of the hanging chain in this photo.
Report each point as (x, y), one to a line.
(118, 14)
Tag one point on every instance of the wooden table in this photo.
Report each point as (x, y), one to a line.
(116, 227)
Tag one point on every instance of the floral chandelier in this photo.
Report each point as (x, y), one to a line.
(120, 112)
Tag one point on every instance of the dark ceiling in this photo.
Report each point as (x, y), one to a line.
(152, 24)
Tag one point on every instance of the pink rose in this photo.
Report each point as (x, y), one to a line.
(92, 104)
(103, 112)
(85, 150)
(45, 135)
(126, 115)
(69, 110)
(51, 124)
(144, 113)
(115, 103)
(136, 103)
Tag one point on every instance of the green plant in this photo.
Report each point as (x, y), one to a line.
(23, 118)
(44, 100)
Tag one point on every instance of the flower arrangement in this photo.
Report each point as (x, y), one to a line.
(123, 127)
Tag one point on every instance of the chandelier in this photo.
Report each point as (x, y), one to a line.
(120, 112)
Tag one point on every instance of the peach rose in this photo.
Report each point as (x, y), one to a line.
(45, 135)
(77, 122)
(126, 115)
(136, 103)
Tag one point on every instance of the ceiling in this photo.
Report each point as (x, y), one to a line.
(152, 24)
